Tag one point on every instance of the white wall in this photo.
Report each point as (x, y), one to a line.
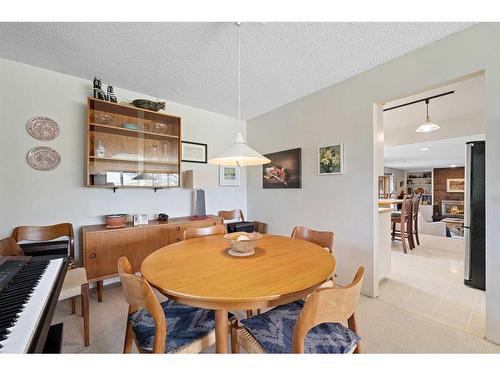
(398, 176)
(345, 113)
(30, 197)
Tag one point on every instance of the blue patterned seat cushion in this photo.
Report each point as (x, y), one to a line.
(185, 324)
(273, 330)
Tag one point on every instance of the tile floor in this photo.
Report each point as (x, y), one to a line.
(428, 281)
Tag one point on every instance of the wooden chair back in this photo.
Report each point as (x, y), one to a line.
(46, 233)
(320, 238)
(193, 232)
(406, 208)
(231, 215)
(260, 227)
(138, 293)
(416, 204)
(328, 305)
(9, 247)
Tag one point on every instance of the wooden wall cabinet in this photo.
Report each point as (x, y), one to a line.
(102, 246)
(131, 147)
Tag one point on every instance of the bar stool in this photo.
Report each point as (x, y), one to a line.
(404, 219)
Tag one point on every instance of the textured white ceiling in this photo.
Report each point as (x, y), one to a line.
(440, 154)
(195, 63)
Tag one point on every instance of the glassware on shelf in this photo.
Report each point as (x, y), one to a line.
(165, 151)
(155, 152)
(159, 127)
(103, 118)
(100, 150)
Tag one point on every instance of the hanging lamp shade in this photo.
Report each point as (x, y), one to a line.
(239, 154)
(428, 125)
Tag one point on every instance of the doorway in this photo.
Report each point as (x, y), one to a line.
(428, 280)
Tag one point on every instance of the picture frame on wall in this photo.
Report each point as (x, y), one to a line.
(284, 171)
(193, 152)
(331, 159)
(229, 176)
(455, 185)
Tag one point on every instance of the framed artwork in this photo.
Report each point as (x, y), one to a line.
(284, 171)
(455, 185)
(229, 176)
(331, 159)
(194, 152)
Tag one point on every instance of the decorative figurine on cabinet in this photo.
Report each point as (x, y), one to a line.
(98, 91)
(111, 95)
(162, 217)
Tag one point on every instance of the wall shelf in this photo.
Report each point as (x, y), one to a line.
(116, 154)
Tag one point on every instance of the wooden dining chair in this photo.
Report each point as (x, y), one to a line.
(75, 282)
(231, 215)
(403, 220)
(260, 227)
(194, 232)
(317, 324)
(320, 238)
(9, 247)
(167, 327)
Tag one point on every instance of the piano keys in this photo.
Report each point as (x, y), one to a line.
(29, 290)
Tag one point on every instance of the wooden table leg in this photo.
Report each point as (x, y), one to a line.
(100, 287)
(221, 331)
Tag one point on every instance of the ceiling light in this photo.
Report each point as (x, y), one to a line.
(428, 125)
(453, 166)
(424, 149)
(239, 153)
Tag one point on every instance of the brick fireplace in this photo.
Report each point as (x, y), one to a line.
(452, 209)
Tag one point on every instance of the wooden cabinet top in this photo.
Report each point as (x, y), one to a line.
(152, 223)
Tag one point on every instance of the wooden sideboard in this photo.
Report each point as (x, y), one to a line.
(102, 246)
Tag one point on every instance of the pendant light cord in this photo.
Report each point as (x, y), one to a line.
(238, 25)
(427, 102)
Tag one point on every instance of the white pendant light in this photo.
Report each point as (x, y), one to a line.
(239, 153)
(428, 125)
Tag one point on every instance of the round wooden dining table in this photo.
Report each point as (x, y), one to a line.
(200, 272)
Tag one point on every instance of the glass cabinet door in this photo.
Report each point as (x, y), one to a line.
(130, 147)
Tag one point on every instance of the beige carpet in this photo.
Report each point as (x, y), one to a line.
(384, 328)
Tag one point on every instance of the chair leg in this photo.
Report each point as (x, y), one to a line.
(259, 311)
(73, 305)
(85, 313)
(351, 323)
(84, 303)
(393, 230)
(127, 345)
(235, 345)
(403, 237)
(416, 233)
(249, 313)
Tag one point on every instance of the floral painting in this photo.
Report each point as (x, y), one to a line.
(284, 170)
(331, 159)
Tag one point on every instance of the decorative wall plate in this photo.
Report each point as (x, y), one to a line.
(43, 158)
(42, 128)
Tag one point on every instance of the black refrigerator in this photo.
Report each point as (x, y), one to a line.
(474, 218)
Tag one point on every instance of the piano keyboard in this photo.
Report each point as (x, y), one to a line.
(25, 288)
